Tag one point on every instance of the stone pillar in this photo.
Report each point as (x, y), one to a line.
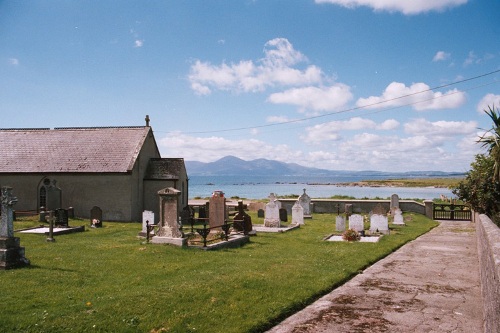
(11, 253)
(429, 209)
(169, 228)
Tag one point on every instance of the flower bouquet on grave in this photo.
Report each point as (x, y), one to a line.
(351, 235)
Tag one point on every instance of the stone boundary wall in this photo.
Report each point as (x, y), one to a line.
(488, 244)
(358, 206)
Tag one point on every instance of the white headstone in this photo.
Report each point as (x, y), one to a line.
(356, 222)
(339, 223)
(149, 216)
(398, 217)
(379, 223)
(297, 214)
(305, 202)
(272, 213)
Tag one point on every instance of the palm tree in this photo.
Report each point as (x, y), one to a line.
(491, 140)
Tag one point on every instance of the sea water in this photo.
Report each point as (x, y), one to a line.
(259, 187)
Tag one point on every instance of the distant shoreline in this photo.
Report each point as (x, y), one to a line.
(407, 182)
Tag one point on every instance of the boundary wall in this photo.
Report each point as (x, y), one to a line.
(358, 206)
(488, 244)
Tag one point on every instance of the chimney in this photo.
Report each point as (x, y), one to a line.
(147, 120)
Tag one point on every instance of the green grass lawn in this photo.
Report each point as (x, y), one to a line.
(108, 280)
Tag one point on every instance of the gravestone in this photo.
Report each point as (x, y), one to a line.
(12, 255)
(305, 202)
(260, 213)
(54, 197)
(379, 210)
(96, 217)
(148, 217)
(394, 201)
(356, 222)
(272, 213)
(339, 223)
(379, 223)
(242, 221)
(186, 216)
(283, 215)
(398, 217)
(348, 209)
(202, 212)
(217, 211)
(61, 217)
(169, 228)
(297, 213)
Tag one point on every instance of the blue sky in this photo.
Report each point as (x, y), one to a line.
(383, 85)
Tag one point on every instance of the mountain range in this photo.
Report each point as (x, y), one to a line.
(234, 166)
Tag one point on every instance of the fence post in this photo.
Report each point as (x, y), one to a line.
(429, 209)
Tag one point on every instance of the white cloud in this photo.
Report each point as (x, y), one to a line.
(330, 131)
(490, 100)
(14, 61)
(440, 56)
(138, 43)
(275, 69)
(410, 7)
(440, 128)
(317, 99)
(418, 95)
(208, 149)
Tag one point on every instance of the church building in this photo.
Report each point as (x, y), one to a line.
(118, 169)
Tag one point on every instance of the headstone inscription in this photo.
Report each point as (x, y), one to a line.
(356, 222)
(96, 217)
(217, 211)
(12, 255)
(339, 223)
(297, 213)
(272, 213)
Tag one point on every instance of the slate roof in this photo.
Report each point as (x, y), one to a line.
(93, 149)
(164, 168)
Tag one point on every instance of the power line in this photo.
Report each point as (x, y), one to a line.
(360, 107)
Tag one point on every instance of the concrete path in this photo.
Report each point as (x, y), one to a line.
(429, 285)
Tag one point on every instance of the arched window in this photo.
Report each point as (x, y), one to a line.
(43, 197)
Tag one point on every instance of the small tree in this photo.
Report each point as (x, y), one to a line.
(479, 189)
(491, 140)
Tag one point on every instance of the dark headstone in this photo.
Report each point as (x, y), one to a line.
(202, 212)
(96, 217)
(260, 213)
(186, 216)
(61, 217)
(54, 197)
(283, 215)
(242, 221)
(348, 209)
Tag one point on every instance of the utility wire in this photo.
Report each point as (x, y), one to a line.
(360, 107)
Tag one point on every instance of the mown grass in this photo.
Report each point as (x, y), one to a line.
(108, 280)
